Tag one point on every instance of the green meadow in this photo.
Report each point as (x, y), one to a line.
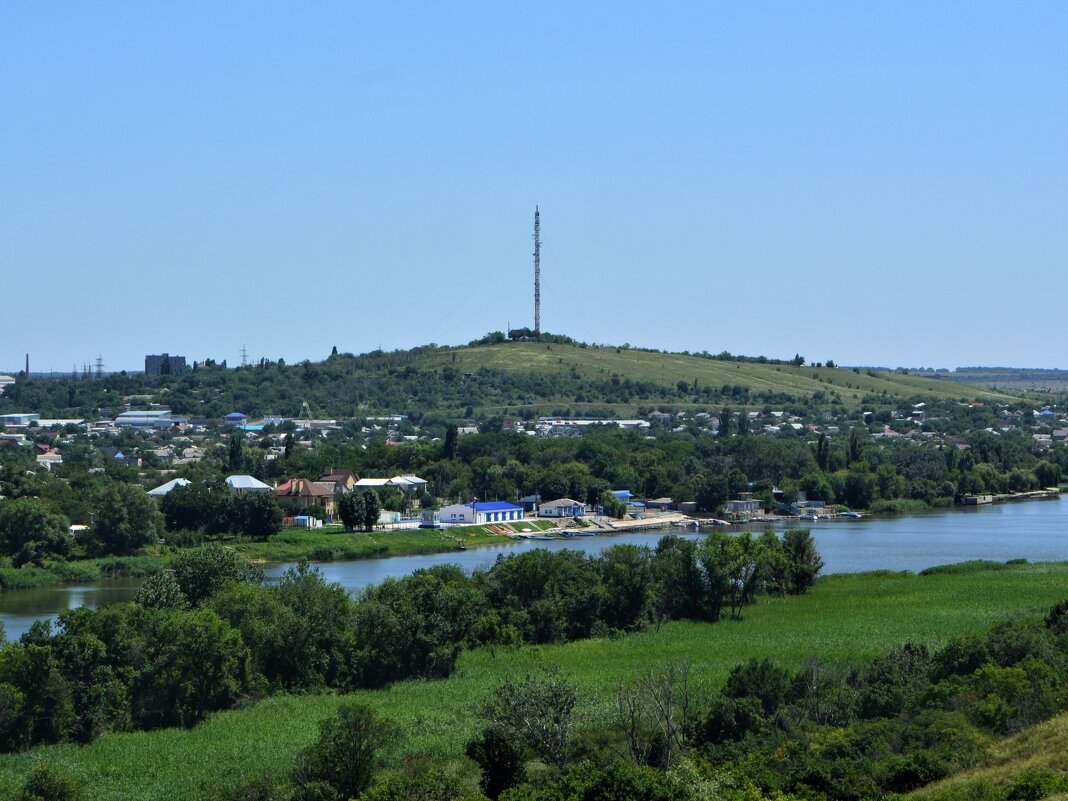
(845, 619)
(333, 543)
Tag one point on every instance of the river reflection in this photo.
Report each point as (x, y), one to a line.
(1032, 530)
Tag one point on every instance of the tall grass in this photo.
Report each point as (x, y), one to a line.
(335, 544)
(83, 571)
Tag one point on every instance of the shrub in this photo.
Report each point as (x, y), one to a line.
(47, 782)
(499, 755)
(346, 755)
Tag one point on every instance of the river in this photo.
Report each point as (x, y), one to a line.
(1033, 530)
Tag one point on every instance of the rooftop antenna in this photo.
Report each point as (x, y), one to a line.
(537, 273)
(244, 357)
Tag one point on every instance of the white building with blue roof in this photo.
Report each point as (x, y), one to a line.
(481, 513)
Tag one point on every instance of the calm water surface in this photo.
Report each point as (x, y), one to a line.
(1032, 530)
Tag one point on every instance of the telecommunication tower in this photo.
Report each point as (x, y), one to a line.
(537, 272)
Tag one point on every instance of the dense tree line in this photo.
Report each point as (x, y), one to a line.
(207, 632)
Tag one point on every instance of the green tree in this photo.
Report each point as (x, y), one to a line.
(725, 423)
(854, 445)
(125, 518)
(350, 508)
(680, 590)
(200, 572)
(712, 492)
(48, 782)
(823, 452)
(537, 710)
(348, 752)
(161, 591)
(859, 487)
(499, 755)
(235, 458)
(627, 575)
(1048, 474)
(803, 560)
(448, 448)
(30, 534)
(613, 506)
(372, 507)
(201, 666)
(198, 506)
(257, 514)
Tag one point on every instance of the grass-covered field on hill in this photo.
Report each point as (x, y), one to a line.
(845, 619)
(536, 376)
(1037, 750)
(668, 369)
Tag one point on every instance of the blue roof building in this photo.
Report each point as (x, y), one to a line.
(481, 513)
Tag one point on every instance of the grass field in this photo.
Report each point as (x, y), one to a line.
(668, 369)
(846, 619)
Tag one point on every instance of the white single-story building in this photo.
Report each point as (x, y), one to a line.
(481, 513)
(562, 507)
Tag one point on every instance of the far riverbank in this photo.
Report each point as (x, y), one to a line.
(1037, 532)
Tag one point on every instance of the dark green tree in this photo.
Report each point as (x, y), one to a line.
(202, 571)
(448, 448)
(372, 507)
(235, 458)
(198, 506)
(803, 560)
(30, 534)
(125, 518)
(257, 514)
(347, 754)
(499, 754)
(161, 591)
(538, 711)
(350, 508)
(823, 452)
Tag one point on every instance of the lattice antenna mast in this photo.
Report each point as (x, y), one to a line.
(537, 272)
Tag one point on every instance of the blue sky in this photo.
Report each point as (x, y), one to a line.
(877, 183)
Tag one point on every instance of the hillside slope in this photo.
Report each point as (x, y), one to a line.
(528, 378)
(668, 369)
(1040, 748)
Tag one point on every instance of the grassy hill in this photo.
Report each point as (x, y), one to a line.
(844, 620)
(528, 377)
(1040, 748)
(668, 369)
